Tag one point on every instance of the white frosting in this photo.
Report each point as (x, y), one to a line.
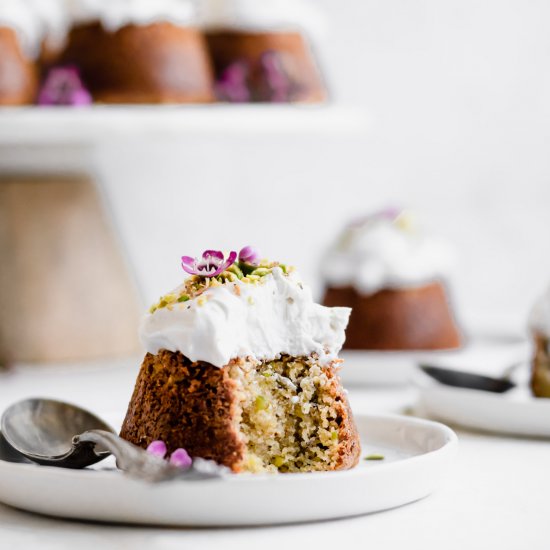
(36, 22)
(261, 321)
(54, 20)
(262, 15)
(385, 252)
(114, 14)
(18, 15)
(539, 319)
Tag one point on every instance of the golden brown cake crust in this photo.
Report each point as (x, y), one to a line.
(540, 376)
(184, 404)
(18, 75)
(405, 319)
(228, 46)
(157, 63)
(349, 450)
(194, 406)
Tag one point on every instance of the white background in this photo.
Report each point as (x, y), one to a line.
(456, 100)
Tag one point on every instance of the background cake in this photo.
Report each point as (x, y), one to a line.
(241, 368)
(130, 51)
(540, 329)
(261, 50)
(20, 39)
(392, 276)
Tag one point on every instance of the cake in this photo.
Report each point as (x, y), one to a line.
(135, 51)
(261, 50)
(393, 277)
(19, 47)
(241, 368)
(540, 329)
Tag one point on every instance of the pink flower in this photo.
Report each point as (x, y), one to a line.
(63, 86)
(278, 83)
(249, 255)
(181, 458)
(233, 83)
(211, 264)
(157, 448)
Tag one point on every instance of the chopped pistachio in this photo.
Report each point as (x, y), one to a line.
(183, 298)
(261, 404)
(235, 270)
(334, 436)
(374, 457)
(278, 461)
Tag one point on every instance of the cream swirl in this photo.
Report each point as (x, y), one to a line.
(385, 250)
(264, 320)
(114, 14)
(17, 15)
(271, 15)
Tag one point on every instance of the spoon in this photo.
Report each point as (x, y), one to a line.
(54, 433)
(469, 380)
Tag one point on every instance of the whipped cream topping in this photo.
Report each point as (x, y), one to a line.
(271, 15)
(264, 320)
(539, 318)
(17, 15)
(386, 250)
(53, 19)
(115, 14)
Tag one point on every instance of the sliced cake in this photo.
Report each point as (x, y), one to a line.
(242, 368)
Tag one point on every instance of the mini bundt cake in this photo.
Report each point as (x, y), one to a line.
(261, 50)
(392, 278)
(241, 368)
(540, 328)
(129, 51)
(19, 47)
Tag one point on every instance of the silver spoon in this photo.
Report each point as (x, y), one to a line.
(470, 380)
(55, 433)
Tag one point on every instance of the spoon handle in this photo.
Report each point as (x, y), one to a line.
(140, 464)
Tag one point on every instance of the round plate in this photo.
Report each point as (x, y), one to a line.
(417, 454)
(515, 412)
(482, 352)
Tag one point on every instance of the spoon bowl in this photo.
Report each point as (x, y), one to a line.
(43, 431)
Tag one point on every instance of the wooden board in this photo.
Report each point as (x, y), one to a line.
(65, 290)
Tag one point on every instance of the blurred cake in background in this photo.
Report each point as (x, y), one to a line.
(540, 328)
(261, 50)
(139, 51)
(20, 39)
(392, 276)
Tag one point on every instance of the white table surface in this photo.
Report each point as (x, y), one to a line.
(496, 496)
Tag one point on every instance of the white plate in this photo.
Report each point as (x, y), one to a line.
(486, 353)
(515, 412)
(417, 454)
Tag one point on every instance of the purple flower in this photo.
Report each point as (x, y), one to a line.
(233, 83)
(181, 459)
(211, 264)
(157, 448)
(278, 83)
(249, 255)
(63, 86)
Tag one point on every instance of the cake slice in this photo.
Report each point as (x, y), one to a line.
(241, 368)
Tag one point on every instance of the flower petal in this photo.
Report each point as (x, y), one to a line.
(189, 265)
(207, 254)
(157, 448)
(249, 255)
(228, 263)
(181, 459)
